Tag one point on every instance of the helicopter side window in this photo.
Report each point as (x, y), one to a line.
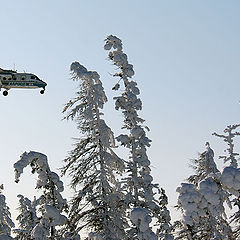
(32, 77)
(23, 78)
(14, 78)
(9, 78)
(4, 78)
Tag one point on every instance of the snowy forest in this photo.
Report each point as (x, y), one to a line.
(115, 197)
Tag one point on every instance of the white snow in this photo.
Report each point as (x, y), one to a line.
(230, 178)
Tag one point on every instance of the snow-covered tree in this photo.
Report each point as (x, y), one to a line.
(203, 166)
(27, 218)
(51, 203)
(6, 223)
(92, 165)
(165, 229)
(202, 202)
(231, 174)
(143, 206)
(203, 211)
(228, 138)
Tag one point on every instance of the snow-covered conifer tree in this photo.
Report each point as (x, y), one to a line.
(51, 202)
(202, 202)
(231, 174)
(92, 165)
(6, 224)
(27, 218)
(140, 191)
(228, 138)
(203, 166)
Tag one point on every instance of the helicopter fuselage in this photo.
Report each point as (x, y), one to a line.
(11, 79)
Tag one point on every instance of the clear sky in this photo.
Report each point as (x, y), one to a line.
(186, 57)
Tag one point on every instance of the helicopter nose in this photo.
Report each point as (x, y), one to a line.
(44, 83)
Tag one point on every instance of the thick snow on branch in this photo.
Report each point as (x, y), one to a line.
(26, 159)
(141, 218)
(92, 86)
(198, 202)
(117, 56)
(230, 178)
(39, 163)
(190, 200)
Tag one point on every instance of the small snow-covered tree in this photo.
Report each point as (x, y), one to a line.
(51, 203)
(92, 165)
(203, 166)
(6, 223)
(27, 218)
(202, 202)
(165, 229)
(203, 211)
(140, 191)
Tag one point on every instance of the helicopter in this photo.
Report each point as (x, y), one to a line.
(12, 79)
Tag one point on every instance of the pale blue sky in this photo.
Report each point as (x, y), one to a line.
(187, 62)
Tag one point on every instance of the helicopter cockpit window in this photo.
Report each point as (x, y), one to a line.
(4, 78)
(14, 78)
(32, 77)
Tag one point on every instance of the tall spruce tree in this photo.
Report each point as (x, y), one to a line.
(92, 165)
(143, 206)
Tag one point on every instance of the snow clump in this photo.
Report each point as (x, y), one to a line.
(190, 200)
(230, 179)
(140, 217)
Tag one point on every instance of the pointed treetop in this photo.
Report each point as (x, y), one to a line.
(228, 138)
